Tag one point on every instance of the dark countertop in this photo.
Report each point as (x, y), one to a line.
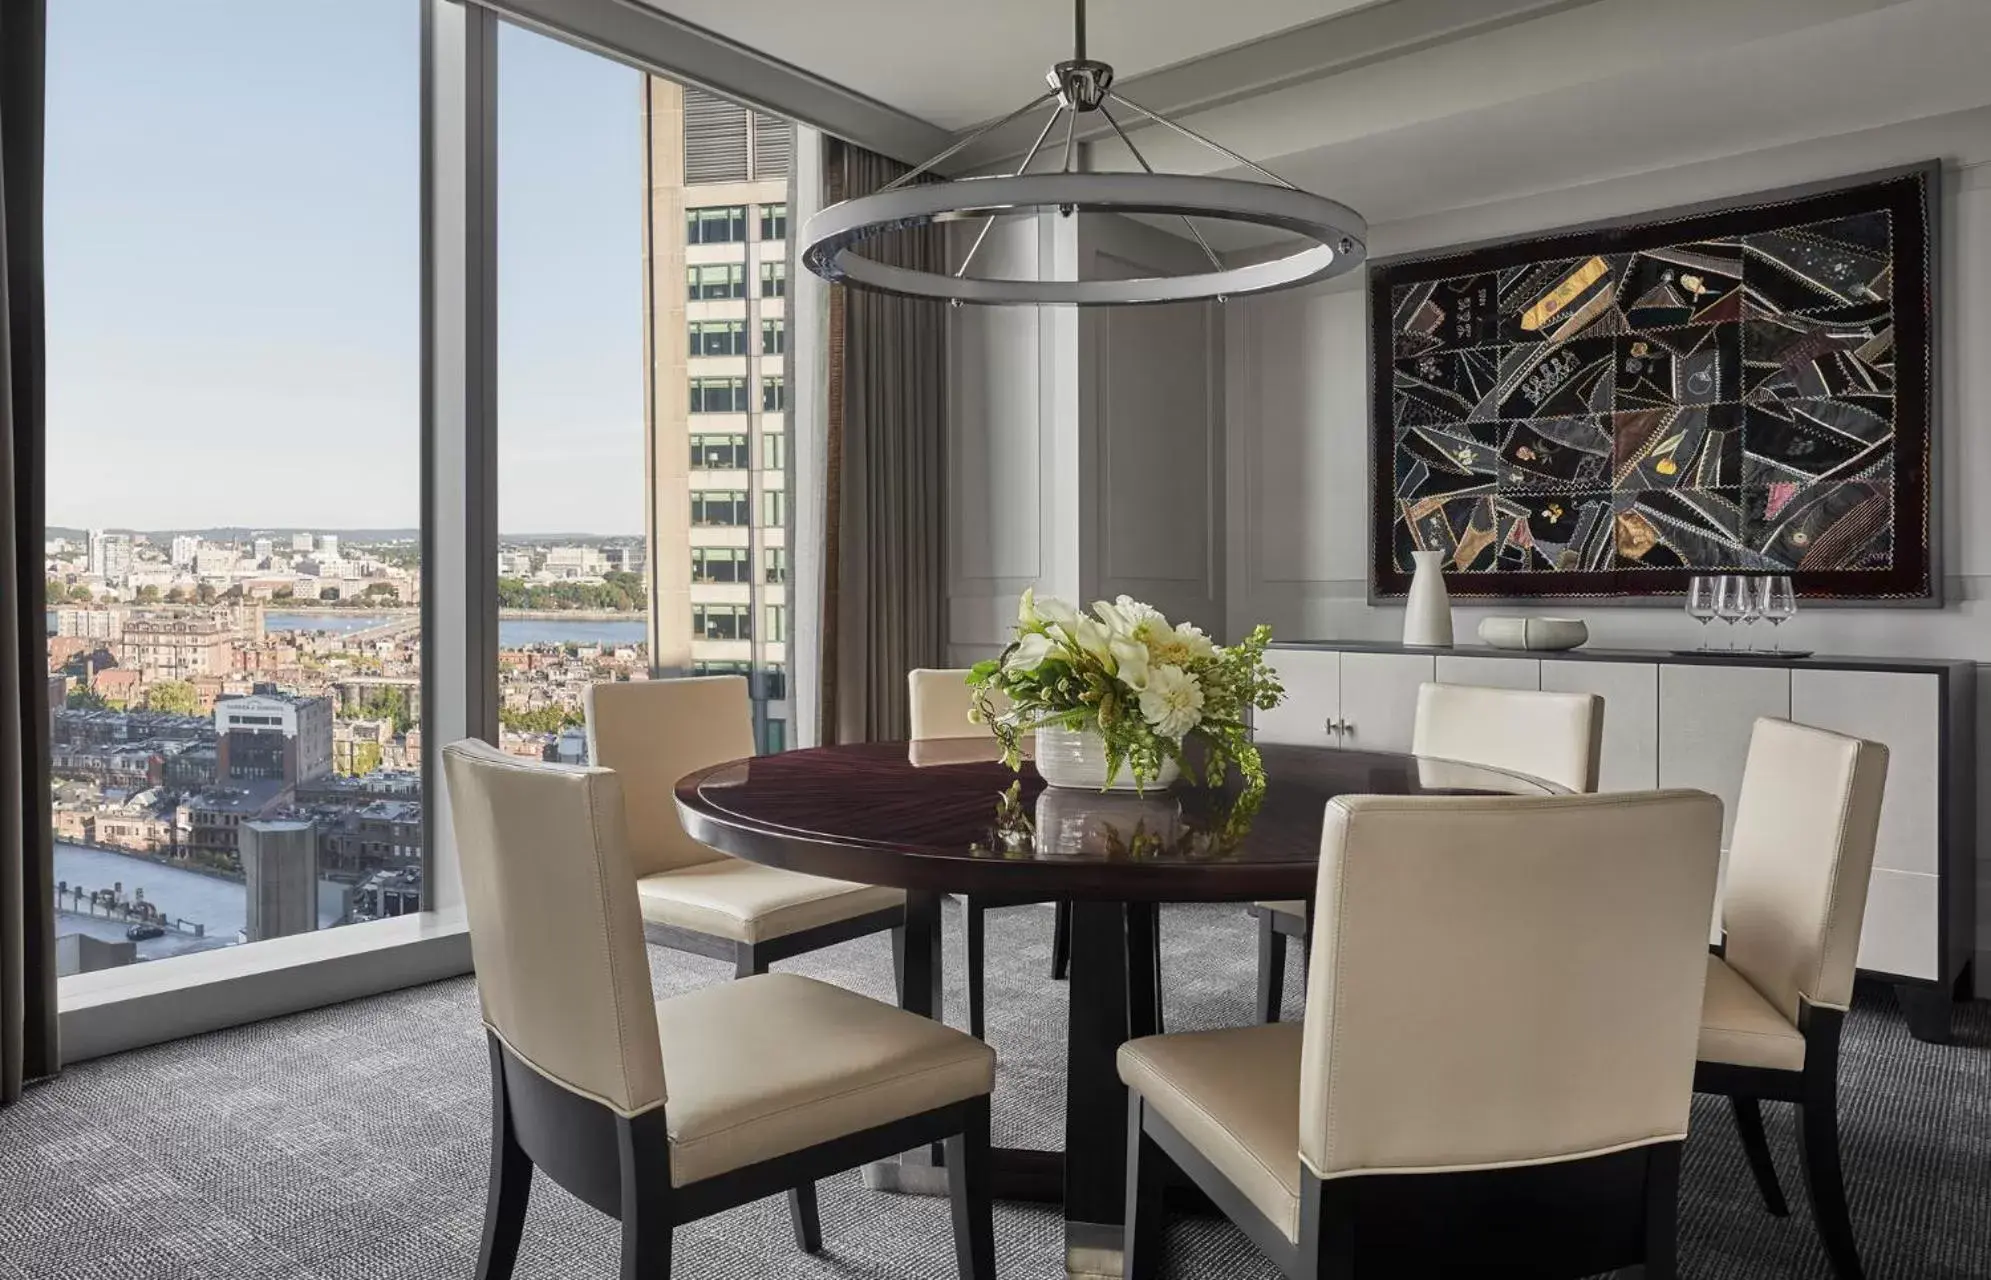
(1712, 658)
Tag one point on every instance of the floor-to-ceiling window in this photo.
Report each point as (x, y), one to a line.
(234, 433)
(642, 401)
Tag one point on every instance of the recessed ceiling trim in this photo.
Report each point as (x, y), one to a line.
(1328, 47)
(651, 40)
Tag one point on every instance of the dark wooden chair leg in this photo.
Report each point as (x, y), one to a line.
(977, 983)
(1143, 969)
(1756, 1146)
(746, 962)
(1061, 941)
(1662, 1213)
(1271, 967)
(1818, 1142)
(972, 1196)
(899, 963)
(802, 1213)
(510, 1185)
(1147, 1180)
(643, 1164)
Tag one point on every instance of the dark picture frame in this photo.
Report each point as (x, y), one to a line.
(1600, 412)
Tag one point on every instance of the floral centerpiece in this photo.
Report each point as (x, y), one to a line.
(1125, 678)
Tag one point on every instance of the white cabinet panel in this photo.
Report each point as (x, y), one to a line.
(1631, 716)
(1312, 679)
(1902, 711)
(1706, 715)
(1901, 933)
(1379, 698)
(1491, 673)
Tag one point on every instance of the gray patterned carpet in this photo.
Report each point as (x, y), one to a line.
(350, 1142)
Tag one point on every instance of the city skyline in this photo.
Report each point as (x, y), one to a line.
(233, 266)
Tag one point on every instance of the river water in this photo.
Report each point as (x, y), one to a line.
(513, 633)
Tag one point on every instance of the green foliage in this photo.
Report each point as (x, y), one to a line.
(541, 719)
(84, 698)
(176, 697)
(148, 594)
(366, 758)
(205, 593)
(382, 591)
(386, 703)
(281, 593)
(1104, 672)
(617, 592)
(176, 595)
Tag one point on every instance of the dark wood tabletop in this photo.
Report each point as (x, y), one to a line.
(941, 816)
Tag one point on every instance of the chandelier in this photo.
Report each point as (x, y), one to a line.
(1083, 87)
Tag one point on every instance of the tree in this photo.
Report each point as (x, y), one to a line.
(205, 593)
(176, 595)
(283, 593)
(148, 594)
(540, 719)
(176, 697)
(382, 591)
(329, 593)
(82, 594)
(84, 698)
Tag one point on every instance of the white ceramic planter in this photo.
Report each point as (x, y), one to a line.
(1427, 615)
(1072, 824)
(1077, 758)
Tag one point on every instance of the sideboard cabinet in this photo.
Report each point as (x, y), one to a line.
(1684, 721)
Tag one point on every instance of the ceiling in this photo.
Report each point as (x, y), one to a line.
(957, 63)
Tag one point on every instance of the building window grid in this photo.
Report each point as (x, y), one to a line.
(773, 508)
(718, 395)
(774, 279)
(720, 508)
(773, 393)
(774, 222)
(719, 564)
(720, 622)
(777, 622)
(718, 338)
(716, 224)
(774, 450)
(776, 561)
(774, 337)
(716, 280)
(725, 452)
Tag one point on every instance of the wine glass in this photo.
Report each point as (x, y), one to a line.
(1700, 603)
(1777, 602)
(1732, 602)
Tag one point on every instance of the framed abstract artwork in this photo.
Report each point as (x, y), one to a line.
(1604, 412)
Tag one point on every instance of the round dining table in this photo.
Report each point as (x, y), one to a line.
(947, 816)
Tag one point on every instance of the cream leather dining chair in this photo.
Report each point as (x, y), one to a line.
(661, 1112)
(1557, 737)
(1799, 859)
(695, 898)
(940, 702)
(1461, 1099)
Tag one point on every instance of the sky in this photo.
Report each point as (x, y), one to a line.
(233, 270)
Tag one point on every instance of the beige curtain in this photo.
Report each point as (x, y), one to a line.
(884, 575)
(27, 891)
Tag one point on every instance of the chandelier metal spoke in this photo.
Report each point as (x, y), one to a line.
(1080, 85)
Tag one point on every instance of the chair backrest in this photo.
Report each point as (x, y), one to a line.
(653, 732)
(1556, 736)
(555, 932)
(1798, 862)
(1502, 980)
(940, 700)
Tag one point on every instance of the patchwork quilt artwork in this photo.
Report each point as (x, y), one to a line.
(1606, 413)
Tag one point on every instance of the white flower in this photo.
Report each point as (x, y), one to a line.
(1132, 659)
(1026, 608)
(1057, 612)
(1126, 614)
(1172, 701)
(1194, 642)
(1137, 613)
(1094, 639)
(1029, 653)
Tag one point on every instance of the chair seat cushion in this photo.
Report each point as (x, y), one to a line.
(744, 901)
(1235, 1095)
(1739, 1026)
(772, 1064)
(1293, 908)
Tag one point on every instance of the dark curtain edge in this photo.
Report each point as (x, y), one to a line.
(28, 1047)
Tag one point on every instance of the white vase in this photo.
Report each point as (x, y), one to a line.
(1427, 618)
(1077, 758)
